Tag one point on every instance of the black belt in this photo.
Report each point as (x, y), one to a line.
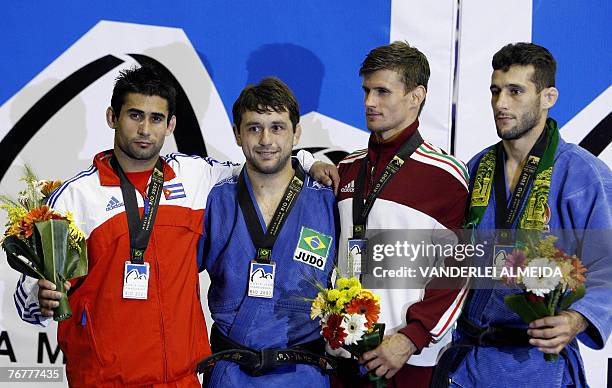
(259, 362)
(473, 335)
(497, 336)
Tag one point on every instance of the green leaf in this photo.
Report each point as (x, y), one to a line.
(60, 262)
(54, 241)
(18, 253)
(528, 311)
(76, 265)
(571, 297)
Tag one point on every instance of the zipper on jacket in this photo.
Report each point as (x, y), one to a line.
(161, 314)
(153, 241)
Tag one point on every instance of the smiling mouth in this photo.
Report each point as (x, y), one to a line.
(267, 154)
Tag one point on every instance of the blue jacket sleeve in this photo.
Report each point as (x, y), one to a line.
(590, 210)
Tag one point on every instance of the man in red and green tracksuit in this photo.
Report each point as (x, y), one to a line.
(428, 192)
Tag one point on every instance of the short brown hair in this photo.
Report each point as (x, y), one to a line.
(408, 61)
(271, 94)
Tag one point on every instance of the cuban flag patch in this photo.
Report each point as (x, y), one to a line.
(174, 191)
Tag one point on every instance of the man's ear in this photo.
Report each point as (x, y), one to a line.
(171, 126)
(111, 119)
(297, 134)
(237, 135)
(418, 96)
(549, 97)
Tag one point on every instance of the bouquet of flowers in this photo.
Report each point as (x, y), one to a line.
(41, 242)
(552, 281)
(348, 315)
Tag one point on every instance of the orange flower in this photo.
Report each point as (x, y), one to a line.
(49, 186)
(367, 307)
(43, 213)
(577, 274)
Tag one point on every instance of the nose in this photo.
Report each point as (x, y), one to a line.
(265, 138)
(144, 127)
(369, 100)
(500, 101)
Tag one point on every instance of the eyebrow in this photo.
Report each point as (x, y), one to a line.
(275, 122)
(508, 86)
(134, 110)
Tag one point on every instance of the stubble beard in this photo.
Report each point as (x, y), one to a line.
(138, 154)
(523, 126)
(277, 167)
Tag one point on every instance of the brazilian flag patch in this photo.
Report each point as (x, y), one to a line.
(313, 248)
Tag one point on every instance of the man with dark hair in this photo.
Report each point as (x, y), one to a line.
(551, 186)
(274, 93)
(269, 241)
(146, 81)
(137, 314)
(427, 191)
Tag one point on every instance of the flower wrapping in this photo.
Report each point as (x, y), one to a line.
(41, 242)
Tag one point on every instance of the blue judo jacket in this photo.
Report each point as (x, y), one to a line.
(580, 205)
(283, 320)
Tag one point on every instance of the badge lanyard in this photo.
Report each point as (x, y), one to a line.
(506, 216)
(357, 245)
(136, 270)
(263, 286)
(140, 229)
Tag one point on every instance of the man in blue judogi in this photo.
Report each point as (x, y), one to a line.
(269, 241)
(569, 192)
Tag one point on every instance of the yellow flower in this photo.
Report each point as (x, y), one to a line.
(76, 235)
(354, 282)
(353, 292)
(317, 308)
(333, 295)
(342, 283)
(346, 283)
(14, 214)
(345, 297)
(546, 247)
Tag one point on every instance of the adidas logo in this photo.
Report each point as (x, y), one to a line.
(349, 188)
(113, 204)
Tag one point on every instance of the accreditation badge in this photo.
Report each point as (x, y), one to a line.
(357, 249)
(500, 254)
(261, 279)
(135, 280)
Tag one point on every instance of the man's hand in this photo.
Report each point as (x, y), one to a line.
(48, 298)
(325, 173)
(552, 334)
(390, 356)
